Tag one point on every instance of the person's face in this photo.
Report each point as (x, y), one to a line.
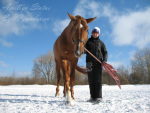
(95, 34)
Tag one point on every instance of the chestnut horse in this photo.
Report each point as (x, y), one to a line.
(68, 47)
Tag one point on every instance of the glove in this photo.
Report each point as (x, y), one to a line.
(104, 62)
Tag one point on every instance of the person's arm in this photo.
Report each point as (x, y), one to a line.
(104, 52)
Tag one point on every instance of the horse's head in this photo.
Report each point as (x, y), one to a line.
(79, 33)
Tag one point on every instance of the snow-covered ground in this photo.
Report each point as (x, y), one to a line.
(41, 99)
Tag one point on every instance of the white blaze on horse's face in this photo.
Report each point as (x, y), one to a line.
(78, 53)
(81, 26)
(79, 49)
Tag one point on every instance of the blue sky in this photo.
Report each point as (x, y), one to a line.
(29, 28)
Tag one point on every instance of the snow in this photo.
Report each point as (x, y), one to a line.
(41, 99)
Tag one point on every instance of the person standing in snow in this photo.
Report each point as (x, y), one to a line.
(94, 68)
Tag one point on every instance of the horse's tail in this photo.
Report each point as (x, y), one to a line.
(82, 70)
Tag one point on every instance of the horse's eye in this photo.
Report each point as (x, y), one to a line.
(88, 30)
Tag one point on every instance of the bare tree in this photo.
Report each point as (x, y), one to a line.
(44, 67)
(123, 71)
(141, 66)
(147, 62)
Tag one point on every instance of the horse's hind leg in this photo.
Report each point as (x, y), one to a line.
(64, 87)
(58, 77)
(72, 79)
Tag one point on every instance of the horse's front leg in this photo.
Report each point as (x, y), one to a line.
(68, 73)
(72, 76)
(67, 80)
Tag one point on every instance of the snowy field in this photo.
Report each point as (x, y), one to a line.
(41, 99)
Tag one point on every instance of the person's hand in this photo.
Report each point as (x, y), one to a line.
(104, 62)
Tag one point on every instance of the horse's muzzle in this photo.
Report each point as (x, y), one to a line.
(78, 53)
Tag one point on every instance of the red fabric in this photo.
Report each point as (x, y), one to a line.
(109, 68)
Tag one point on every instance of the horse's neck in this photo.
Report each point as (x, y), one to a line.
(66, 34)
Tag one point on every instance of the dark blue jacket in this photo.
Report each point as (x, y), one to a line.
(97, 48)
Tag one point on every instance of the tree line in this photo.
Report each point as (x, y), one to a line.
(43, 72)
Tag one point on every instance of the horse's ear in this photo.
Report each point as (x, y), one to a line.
(72, 17)
(89, 20)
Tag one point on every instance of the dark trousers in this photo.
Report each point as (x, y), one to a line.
(95, 79)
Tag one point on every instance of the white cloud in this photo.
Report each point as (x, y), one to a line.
(60, 25)
(131, 54)
(85, 8)
(116, 64)
(116, 56)
(3, 64)
(128, 27)
(13, 20)
(108, 11)
(6, 43)
(89, 9)
(132, 29)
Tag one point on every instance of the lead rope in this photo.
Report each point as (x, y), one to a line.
(93, 55)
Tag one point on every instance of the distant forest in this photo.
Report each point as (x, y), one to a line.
(43, 72)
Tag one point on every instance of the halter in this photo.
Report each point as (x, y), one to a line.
(78, 40)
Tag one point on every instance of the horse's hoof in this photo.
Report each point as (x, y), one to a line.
(68, 103)
(64, 95)
(68, 96)
(73, 98)
(56, 95)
